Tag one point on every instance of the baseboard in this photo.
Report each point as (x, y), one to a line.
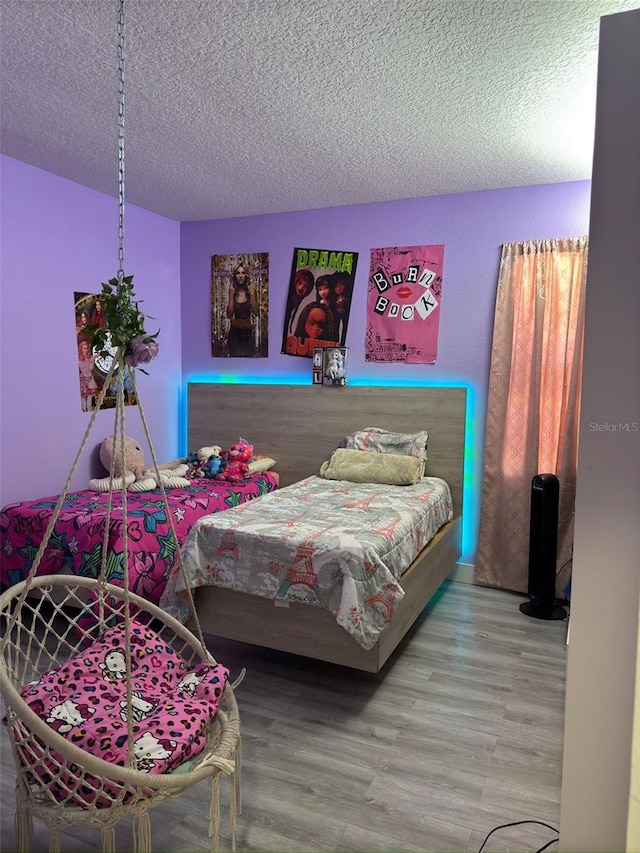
(462, 573)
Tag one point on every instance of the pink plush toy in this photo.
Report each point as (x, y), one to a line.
(236, 461)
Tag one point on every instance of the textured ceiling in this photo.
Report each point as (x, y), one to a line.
(240, 107)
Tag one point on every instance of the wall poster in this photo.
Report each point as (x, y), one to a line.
(319, 300)
(403, 304)
(240, 305)
(92, 368)
(334, 361)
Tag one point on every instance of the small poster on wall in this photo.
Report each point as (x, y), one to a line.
(403, 304)
(92, 368)
(329, 366)
(319, 300)
(335, 366)
(240, 305)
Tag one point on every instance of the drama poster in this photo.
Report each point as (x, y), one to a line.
(92, 367)
(318, 301)
(240, 305)
(403, 304)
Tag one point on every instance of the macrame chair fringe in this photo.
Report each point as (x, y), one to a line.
(214, 813)
(235, 803)
(42, 624)
(54, 840)
(23, 827)
(142, 833)
(108, 839)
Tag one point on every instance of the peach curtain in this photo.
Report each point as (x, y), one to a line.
(533, 405)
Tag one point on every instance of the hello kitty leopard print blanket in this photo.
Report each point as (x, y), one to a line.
(85, 700)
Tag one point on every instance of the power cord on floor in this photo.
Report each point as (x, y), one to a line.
(521, 823)
(548, 844)
(566, 563)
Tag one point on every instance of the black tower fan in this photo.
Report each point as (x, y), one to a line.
(543, 547)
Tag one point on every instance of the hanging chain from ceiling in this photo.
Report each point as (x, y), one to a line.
(120, 142)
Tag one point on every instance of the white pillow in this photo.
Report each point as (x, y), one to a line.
(261, 463)
(382, 441)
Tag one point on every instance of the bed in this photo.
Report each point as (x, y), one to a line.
(75, 544)
(300, 427)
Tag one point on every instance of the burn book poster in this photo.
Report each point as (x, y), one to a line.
(93, 367)
(318, 301)
(403, 304)
(240, 305)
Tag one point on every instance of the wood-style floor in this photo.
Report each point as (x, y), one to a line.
(460, 732)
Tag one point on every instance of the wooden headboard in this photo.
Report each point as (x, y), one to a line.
(301, 425)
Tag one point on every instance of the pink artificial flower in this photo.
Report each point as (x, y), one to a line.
(143, 350)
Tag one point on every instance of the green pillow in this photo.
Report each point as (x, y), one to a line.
(363, 466)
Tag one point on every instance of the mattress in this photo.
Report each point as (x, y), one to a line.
(75, 544)
(327, 543)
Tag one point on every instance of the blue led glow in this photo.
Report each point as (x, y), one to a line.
(235, 379)
(470, 491)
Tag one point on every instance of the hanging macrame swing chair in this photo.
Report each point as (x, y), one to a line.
(56, 629)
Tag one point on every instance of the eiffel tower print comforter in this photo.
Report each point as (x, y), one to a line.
(327, 543)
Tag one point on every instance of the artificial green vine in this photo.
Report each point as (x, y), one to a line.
(124, 325)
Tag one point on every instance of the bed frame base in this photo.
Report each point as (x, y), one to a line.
(313, 631)
(300, 426)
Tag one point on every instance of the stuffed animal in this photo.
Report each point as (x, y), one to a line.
(135, 475)
(213, 466)
(205, 462)
(236, 461)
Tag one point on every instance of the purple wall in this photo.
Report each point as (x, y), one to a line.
(59, 237)
(472, 226)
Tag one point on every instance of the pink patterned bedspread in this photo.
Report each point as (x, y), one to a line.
(75, 544)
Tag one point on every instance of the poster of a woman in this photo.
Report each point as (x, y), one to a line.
(93, 369)
(240, 305)
(89, 389)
